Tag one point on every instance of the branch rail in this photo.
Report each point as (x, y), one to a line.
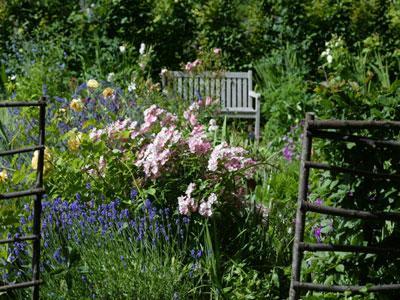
(37, 191)
(312, 129)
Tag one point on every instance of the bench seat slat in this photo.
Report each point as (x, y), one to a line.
(233, 89)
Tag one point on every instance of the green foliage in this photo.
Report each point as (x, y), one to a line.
(234, 26)
(284, 91)
(338, 58)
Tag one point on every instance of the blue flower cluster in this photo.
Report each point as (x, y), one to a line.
(80, 222)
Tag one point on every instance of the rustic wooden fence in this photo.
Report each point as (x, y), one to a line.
(37, 191)
(323, 129)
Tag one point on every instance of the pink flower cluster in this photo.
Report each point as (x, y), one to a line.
(151, 116)
(154, 114)
(187, 204)
(205, 209)
(156, 154)
(230, 158)
(217, 51)
(114, 130)
(207, 102)
(197, 141)
(99, 170)
(190, 66)
(191, 113)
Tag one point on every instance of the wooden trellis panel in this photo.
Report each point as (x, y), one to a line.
(38, 191)
(317, 128)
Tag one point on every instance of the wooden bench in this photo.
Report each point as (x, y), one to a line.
(233, 89)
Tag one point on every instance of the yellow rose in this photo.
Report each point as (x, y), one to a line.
(76, 105)
(74, 141)
(108, 92)
(47, 160)
(92, 84)
(3, 176)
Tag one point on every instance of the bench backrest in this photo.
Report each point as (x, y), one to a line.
(232, 88)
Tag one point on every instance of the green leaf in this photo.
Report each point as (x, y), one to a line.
(339, 268)
(151, 191)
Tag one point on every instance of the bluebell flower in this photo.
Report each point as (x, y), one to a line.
(57, 255)
(152, 213)
(124, 214)
(74, 206)
(59, 99)
(147, 204)
(133, 194)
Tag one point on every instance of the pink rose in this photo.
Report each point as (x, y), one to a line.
(217, 51)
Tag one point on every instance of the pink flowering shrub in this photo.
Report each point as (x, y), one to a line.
(229, 158)
(197, 141)
(178, 160)
(153, 156)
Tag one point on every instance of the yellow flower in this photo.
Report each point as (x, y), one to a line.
(3, 176)
(74, 141)
(92, 84)
(108, 92)
(76, 105)
(47, 160)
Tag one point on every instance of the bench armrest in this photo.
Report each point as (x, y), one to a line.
(253, 94)
(256, 96)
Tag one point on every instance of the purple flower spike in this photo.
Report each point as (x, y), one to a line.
(319, 201)
(147, 204)
(317, 233)
(287, 153)
(133, 194)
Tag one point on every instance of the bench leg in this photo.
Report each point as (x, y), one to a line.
(257, 123)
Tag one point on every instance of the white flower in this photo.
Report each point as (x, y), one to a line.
(163, 71)
(76, 105)
(13, 77)
(92, 84)
(329, 59)
(3, 176)
(122, 49)
(205, 209)
(212, 198)
(326, 52)
(132, 87)
(110, 76)
(142, 48)
(212, 125)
